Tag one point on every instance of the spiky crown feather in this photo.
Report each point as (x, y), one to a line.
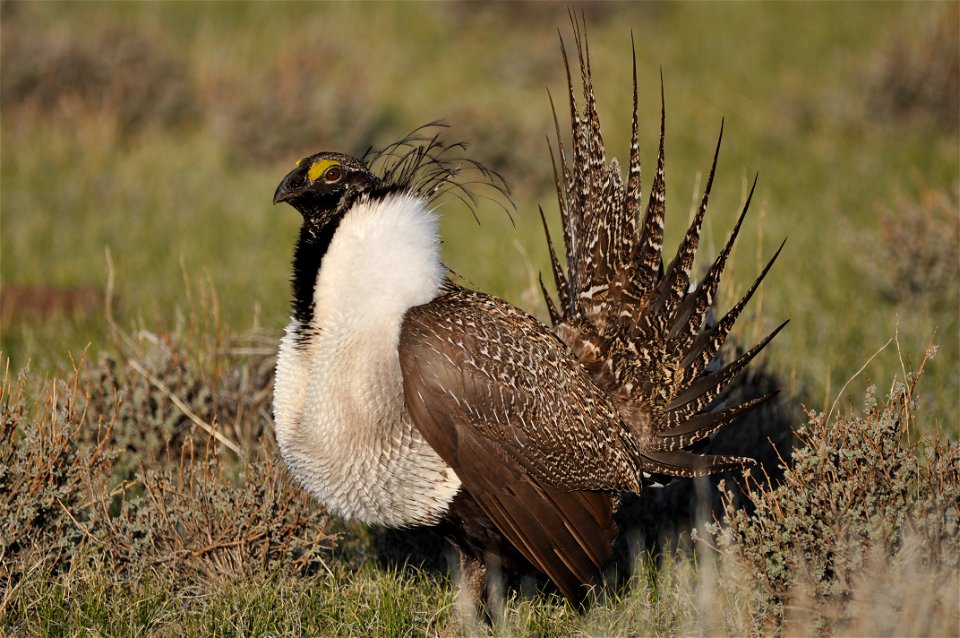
(422, 162)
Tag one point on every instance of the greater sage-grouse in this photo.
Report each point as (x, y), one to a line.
(403, 399)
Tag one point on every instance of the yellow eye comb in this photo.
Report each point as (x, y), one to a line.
(319, 167)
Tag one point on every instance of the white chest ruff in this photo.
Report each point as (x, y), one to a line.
(338, 399)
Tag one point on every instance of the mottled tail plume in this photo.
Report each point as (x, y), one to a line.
(639, 327)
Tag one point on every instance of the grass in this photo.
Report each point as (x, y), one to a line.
(120, 515)
(188, 190)
(152, 162)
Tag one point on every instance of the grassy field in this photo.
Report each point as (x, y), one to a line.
(142, 142)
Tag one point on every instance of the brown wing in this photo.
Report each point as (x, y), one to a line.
(497, 370)
(506, 406)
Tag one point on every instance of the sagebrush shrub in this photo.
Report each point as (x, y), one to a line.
(856, 489)
(148, 424)
(50, 475)
(917, 260)
(230, 394)
(194, 525)
(111, 466)
(920, 77)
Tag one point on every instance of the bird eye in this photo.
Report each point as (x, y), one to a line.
(332, 174)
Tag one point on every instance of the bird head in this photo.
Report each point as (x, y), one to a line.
(323, 186)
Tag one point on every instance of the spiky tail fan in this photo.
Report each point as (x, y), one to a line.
(637, 327)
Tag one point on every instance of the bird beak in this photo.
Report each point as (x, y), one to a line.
(282, 193)
(286, 190)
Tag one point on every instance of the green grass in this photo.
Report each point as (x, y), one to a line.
(337, 602)
(681, 596)
(168, 164)
(796, 84)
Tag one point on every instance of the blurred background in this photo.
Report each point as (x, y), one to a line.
(142, 142)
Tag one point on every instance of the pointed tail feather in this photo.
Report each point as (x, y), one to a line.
(689, 465)
(695, 307)
(706, 346)
(649, 250)
(700, 426)
(678, 273)
(705, 389)
(638, 328)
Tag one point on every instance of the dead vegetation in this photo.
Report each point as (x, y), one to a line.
(42, 303)
(125, 462)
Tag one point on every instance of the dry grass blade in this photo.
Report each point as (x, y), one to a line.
(857, 374)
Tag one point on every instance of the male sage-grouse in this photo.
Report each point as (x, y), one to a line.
(403, 399)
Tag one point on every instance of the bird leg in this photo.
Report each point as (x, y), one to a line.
(471, 592)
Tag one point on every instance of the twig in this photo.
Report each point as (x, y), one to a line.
(83, 529)
(187, 411)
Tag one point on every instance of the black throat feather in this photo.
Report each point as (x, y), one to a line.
(312, 245)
